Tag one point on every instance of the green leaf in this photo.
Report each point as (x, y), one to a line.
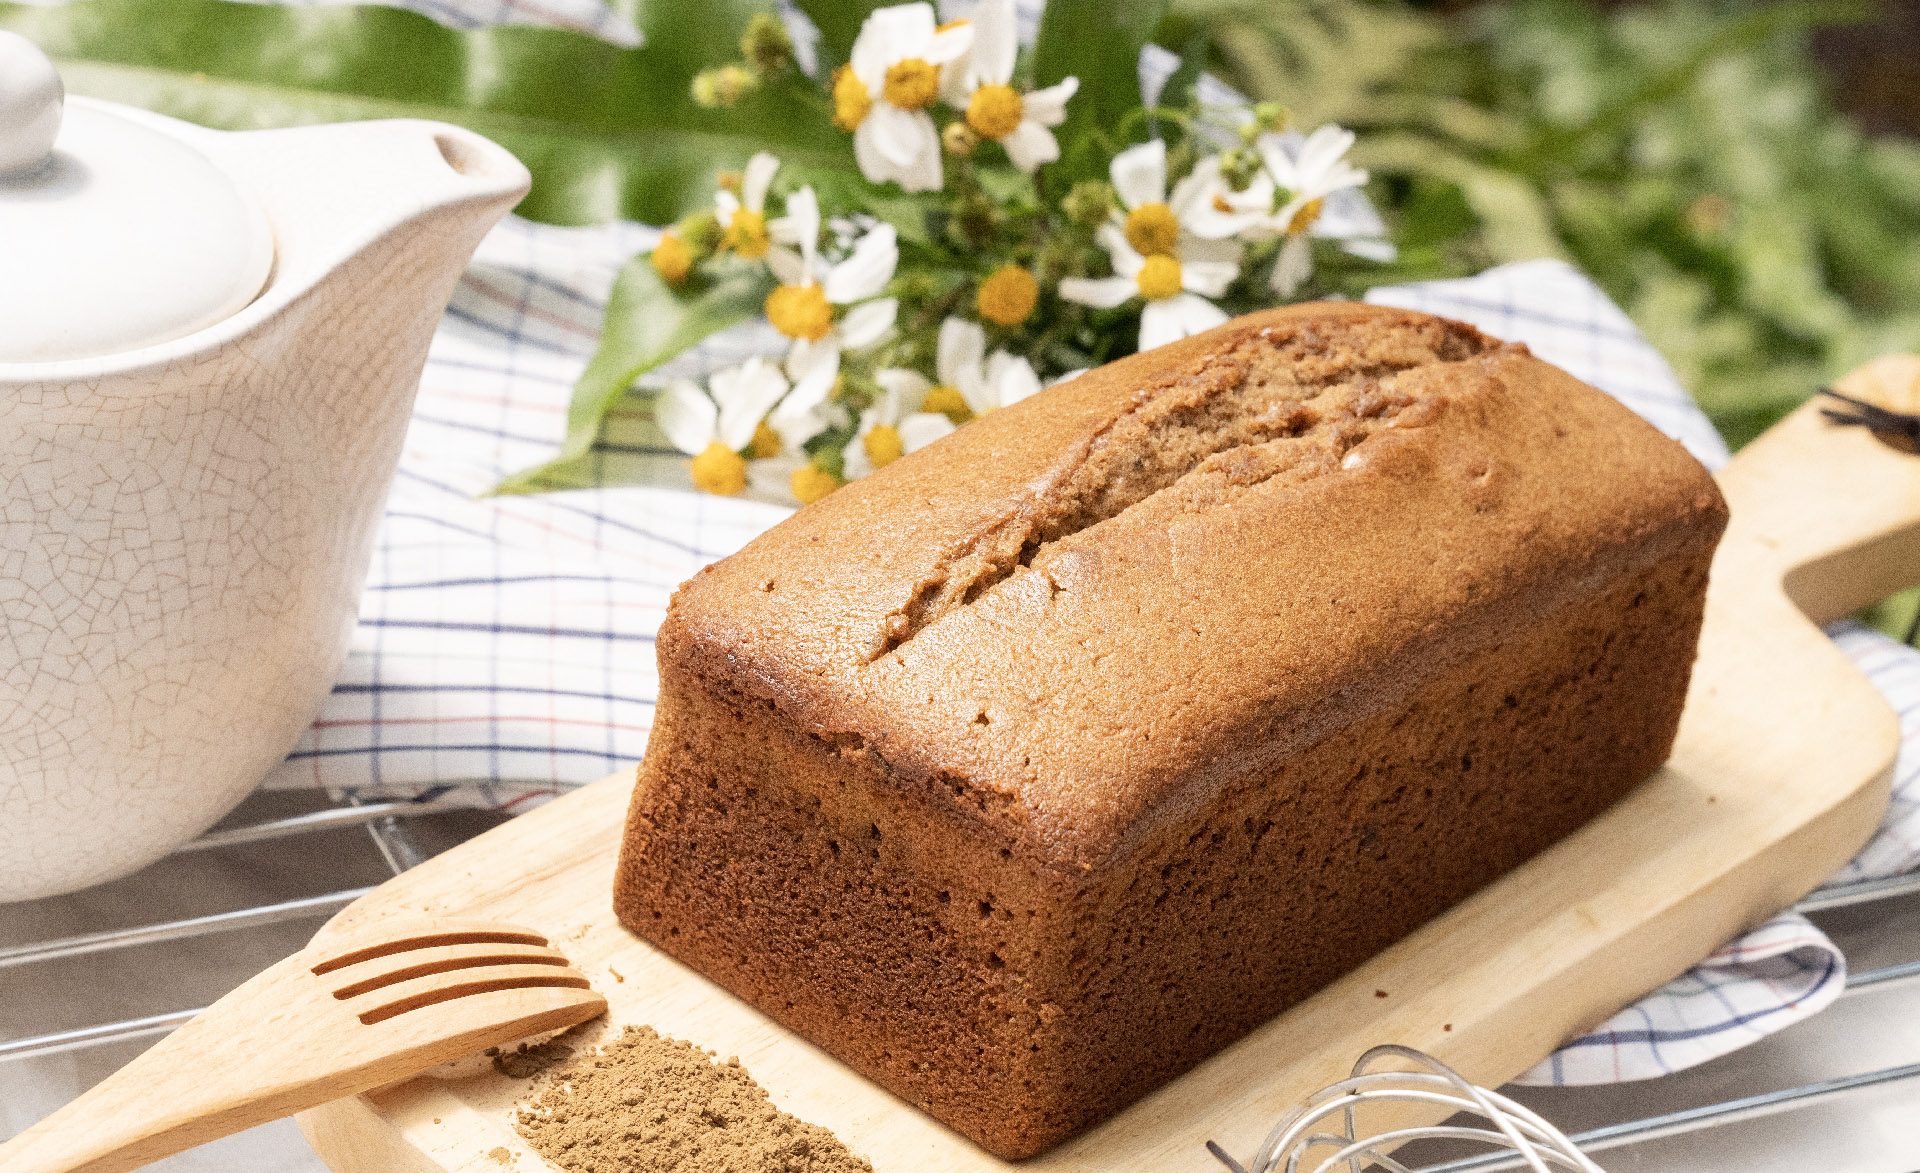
(1099, 42)
(607, 132)
(839, 23)
(648, 322)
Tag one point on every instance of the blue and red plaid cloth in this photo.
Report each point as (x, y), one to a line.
(505, 648)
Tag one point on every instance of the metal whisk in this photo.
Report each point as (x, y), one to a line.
(1508, 1125)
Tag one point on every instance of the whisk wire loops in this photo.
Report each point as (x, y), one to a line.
(1293, 1144)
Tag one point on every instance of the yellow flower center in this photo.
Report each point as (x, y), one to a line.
(912, 84)
(850, 99)
(1007, 297)
(948, 402)
(747, 234)
(995, 111)
(720, 470)
(810, 483)
(1304, 218)
(671, 259)
(800, 311)
(1159, 277)
(765, 442)
(1153, 228)
(883, 445)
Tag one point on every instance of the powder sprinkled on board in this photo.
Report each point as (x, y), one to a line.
(648, 1102)
(529, 1060)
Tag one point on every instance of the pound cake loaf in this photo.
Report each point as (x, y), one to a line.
(1033, 769)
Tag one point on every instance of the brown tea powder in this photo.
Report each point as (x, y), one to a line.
(525, 1061)
(644, 1103)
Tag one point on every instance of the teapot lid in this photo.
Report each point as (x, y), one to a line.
(118, 234)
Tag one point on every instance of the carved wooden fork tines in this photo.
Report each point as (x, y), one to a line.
(333, 1020)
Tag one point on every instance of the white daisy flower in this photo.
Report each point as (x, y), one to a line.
(771, 479)
(770, 473)
(1297, 174)
(973, 382)
(1312, 173)
(980, 85)
(1175, 290)
(803, 306)
(1293, 266)
(782, 470)
(895, 425)
(715, 425)
(954, 88)
(793, 423)
(883, 92)
(1219, 211)
(1304, 189)
(1350, 218)
(744, 217)
(1156, 223)
(1346, 215)
(1308, 168)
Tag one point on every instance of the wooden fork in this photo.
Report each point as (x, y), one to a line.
(362, 1010)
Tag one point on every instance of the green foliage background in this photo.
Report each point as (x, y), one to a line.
(1685, 154)
(607, 132)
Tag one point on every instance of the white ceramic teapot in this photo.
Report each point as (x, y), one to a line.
(209, 346)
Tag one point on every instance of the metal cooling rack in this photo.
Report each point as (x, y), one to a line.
(263, 845)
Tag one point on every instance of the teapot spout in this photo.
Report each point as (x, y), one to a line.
(427, 191)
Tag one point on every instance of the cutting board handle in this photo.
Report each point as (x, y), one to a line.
(1831, 512)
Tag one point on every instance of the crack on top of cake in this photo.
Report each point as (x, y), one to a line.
(1280, 403)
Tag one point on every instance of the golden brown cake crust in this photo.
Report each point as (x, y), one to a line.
(1113, 674)
(1038, 766)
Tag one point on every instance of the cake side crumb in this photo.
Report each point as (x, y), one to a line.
(644, 1101)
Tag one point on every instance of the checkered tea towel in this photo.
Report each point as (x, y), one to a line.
(505, 648)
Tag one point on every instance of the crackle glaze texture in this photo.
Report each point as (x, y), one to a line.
(184, 530)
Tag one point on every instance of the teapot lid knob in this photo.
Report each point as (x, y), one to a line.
(121, 235)
(31, 98)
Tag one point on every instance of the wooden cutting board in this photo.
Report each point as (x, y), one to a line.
(1781, 772)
